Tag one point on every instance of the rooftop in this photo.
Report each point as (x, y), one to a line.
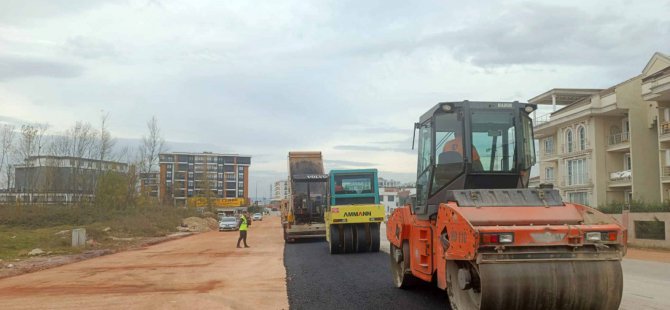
(564, 96)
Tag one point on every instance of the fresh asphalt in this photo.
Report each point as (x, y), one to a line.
(319, 280)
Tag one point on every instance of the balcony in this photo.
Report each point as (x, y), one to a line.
(576, 180)
(665, 174)
(548, 154)
(539, 120)
(618, 142)
(575, 149)
(620, 178)
(664, 131)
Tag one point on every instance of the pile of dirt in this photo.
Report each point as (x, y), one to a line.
(196, 224)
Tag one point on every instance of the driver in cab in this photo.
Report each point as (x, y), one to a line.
(456, 145)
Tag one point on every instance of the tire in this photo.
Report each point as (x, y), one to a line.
(362, 238)
(335, 243)
(374, 237)
(348, 238)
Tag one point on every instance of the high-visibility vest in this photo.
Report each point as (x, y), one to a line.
(243, 223)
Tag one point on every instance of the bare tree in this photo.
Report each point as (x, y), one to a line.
(7, 134)
(105, 141)
(152, 145)
(30, 144)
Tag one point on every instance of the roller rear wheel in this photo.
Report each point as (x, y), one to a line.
(374, 237)
(348, 234)
(335, 239)
(362, 238)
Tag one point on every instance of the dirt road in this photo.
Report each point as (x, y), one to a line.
(204, 271)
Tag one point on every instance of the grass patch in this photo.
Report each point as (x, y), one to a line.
(23, 228)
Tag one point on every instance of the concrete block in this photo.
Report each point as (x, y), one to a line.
(78, 237)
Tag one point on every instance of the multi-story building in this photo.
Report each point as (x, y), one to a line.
(280, 190)
(149, 183)
(59, 179)
(224, 177)
(605, 145)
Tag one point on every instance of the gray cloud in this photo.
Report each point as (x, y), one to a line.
(19, 11)
(89, 48)
(13, 67)
(537, 33)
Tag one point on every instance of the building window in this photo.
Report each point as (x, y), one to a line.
(627, 164)
(391, 198)
(190, 183)
(569, 140)
(549, 145)
(581, 132)
(240, 193)
(577, 173)
(579, 197)
(549, 174)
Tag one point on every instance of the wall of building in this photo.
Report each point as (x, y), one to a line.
(643, 142)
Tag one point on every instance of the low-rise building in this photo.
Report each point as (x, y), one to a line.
(58, 179)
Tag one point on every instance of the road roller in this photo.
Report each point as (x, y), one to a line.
(477, 230)
(354, 214)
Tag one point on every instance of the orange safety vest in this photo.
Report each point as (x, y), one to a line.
(457, 146)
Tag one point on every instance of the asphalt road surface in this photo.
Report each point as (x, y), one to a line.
(318, 280)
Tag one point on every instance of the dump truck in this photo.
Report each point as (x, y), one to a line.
(479, 232)
(303, 216)
(354, 215)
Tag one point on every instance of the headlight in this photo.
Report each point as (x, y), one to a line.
(594, 236)
(506, 238)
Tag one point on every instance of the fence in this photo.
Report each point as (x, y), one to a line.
(647, 229)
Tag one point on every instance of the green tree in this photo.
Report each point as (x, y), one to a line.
(111, 191)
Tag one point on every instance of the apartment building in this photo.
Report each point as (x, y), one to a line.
(149, 183)
(280, 190)
(224, 177)
(608, 145)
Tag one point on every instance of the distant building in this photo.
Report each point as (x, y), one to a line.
(189, 178)
(149, 183)
(280, 190)
(388, 196)
(58, 179)
(388, 183)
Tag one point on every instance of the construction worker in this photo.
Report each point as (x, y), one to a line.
(456, 145)
(243, 229)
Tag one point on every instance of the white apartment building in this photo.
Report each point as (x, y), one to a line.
(388, 196)
(609, 145)
(280, 190)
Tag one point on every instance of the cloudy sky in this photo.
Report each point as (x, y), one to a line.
(348, 78)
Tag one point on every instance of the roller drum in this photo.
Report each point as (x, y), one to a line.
(596, 285)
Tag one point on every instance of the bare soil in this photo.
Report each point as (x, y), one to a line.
(202, 271)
